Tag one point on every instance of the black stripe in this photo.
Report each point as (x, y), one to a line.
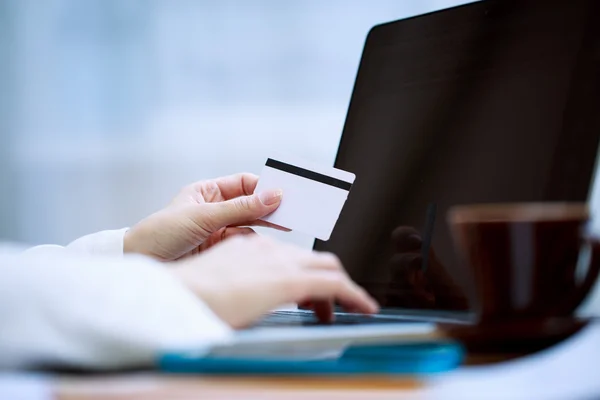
(305, 173)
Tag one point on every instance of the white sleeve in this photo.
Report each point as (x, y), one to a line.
(104, 243)
(97, 312)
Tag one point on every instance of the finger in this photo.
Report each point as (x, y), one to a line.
(264, 224)
(223, 234)
(237, 185)
(240, 209)
(234, 231)
(317, 260)
(306, 304)
(323, 261)
(332, 285)
(323, 310)
(352, 311)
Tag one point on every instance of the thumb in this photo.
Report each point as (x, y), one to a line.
(244, 208)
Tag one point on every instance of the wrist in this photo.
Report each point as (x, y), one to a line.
(127, 248)
(130, 245)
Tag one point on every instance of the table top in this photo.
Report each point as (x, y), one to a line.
(155, 386)
(152, 385)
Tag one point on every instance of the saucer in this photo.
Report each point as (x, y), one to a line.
(515, 335)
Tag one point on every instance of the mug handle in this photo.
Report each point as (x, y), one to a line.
(582, 289)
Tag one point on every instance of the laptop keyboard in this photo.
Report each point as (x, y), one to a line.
(307, 318)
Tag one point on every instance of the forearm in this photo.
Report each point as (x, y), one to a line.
(96, 313)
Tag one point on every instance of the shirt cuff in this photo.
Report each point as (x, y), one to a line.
(104, 243)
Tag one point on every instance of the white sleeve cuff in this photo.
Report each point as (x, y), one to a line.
(105, 243)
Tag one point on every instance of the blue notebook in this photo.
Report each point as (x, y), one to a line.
(400, 359)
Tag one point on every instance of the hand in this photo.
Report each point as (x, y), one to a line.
(248, 276)
(202, 215)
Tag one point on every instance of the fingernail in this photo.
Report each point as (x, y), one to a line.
(270, 197)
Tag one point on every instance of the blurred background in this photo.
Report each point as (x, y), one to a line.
(109, 107)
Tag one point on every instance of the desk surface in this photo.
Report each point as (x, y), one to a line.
(155, 386)
(151, 386)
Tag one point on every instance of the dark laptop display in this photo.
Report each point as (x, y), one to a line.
(493, 101)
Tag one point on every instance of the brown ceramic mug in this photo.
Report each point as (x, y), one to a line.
(526, 261)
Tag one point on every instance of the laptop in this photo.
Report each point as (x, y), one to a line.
(492, 101)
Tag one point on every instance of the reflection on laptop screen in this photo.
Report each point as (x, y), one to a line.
(494, 101)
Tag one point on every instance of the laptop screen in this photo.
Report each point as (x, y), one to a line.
(493, 101)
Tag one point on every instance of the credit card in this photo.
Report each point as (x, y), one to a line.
(313, 195)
